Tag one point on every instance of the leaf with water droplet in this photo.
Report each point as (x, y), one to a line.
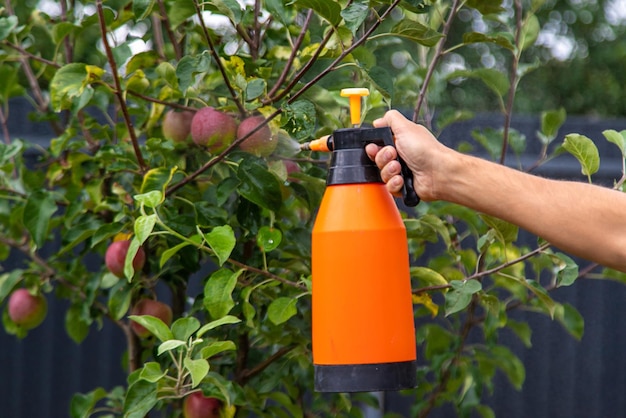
(268, 238)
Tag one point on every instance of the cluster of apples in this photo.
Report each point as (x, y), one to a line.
(216, 130)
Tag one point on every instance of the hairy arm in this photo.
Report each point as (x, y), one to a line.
(579, 218)
(584, 220)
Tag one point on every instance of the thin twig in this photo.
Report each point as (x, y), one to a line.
(118, 89)
(508, 112)
(168, 28)
(439, 52)
(292, 57)
(247, 374)
(218, 60)
(484, 273)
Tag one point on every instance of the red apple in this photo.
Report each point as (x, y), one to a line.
(196, 405)
(213, 129)
(116, 256)
(260, 143)
(291, 167)
(177, 125)
(27, 310)
(153, 308)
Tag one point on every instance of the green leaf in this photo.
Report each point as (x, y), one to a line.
(143, 227)
(197, 368)
(522, 330)
(222, 241)
(281, 309)
(567, 270)
(551, 122)
(170, 345)
(355, 14)
(142, 8)
(71, 82)
(183, 328)
(129, 270)
(228, 8)
(259, 186)
(530, 31)
(504, 359)
(79, 232)
(7, 26)
(255, 88)
(167, 254)
(503, 40)
(542, 296)
(151, 372)
(327, 9)
(225, 320)
(120, 297)
(216, 347)
(383, 81)
(571, 319)
(496, 80)
(218, 299)
(10, 151)
(505, 231)
(486, 7)
(189, 66)
(82, 405)
(157, 179)
(179, 11)
(10, 86)
(617, 138)
(299, 119)
(278, 10)
(459, 297)
(428, 277)
(417, 32)
(8, 282)
(146, 59)
(75, 325)
(40, 206)
(268, 238)
(151, 199)
(585, 152)
(141, 397)
(156, 326)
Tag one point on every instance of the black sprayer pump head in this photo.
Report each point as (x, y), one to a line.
(350, 164)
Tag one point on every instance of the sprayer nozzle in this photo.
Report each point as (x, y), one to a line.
(323, 144)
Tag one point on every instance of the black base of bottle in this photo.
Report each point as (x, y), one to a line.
(366, 377)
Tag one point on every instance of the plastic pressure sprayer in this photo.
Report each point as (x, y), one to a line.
(363, 329)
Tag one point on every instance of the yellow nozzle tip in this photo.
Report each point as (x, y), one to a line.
(355, 94)
(355, 91)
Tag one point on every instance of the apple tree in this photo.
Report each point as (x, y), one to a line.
(176, 155)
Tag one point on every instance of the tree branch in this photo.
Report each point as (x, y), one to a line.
(217, 59)
(246, 374)
(118, 89)
(508, 112)
(292, 57)
(439, 52)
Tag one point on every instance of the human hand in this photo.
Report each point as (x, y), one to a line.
(417, 146)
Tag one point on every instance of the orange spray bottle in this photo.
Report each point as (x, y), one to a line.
(363, 330)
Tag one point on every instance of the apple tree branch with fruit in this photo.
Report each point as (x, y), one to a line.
(176, 152)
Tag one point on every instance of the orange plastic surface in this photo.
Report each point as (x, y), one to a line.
(362, 307)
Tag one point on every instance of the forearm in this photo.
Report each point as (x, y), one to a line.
(581, 219)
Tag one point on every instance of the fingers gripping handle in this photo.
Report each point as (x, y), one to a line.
(384, 136)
